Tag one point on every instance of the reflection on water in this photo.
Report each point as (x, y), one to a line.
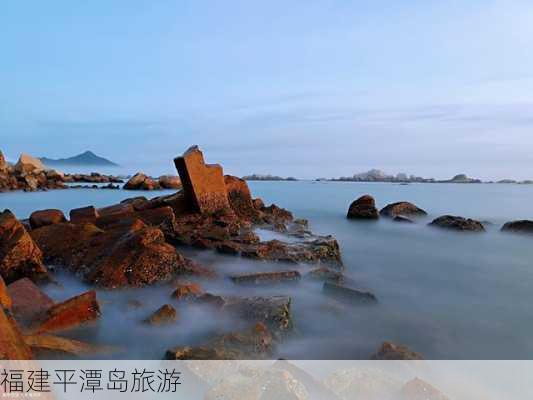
(445, 295)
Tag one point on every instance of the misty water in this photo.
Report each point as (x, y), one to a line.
(446, 295)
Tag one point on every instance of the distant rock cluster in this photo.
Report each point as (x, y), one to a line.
(267, 177)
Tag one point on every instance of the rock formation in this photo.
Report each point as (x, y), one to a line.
(391, 351)
(402, 208)
(522, 226)
(46, 217)
(363, 208)
(458, 224)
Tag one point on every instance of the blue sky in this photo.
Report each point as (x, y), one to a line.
(305, 88)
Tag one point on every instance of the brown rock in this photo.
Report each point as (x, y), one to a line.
(187, 290)
(83, 215)
(391, 351)
(60, 346)
(138, 202)
(240, 198)
(71, 313)
(3, 163)
(115, 210)
(27, 164)
(458, 224)
(29, 302)
(522, 226)
(402, 208)
(12, 345)
(169, 182)
(19, 255)
(262, 278)
(258, 204)
(344, 293)
(5, 299)
(417, 389)
(46, 217)
(203, 184)
(164, 315)
(363, 208)
(140, 181)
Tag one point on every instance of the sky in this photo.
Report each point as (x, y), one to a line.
(303, 88)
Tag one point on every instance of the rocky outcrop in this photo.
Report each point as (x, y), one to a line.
(19, 255)
(140, 181)
(12, 344)
(391, 351)
(417, 389)
(28, 164)
(402, 208)
(93, 177)
(162, 316)
(523, 227)
(350, 295)
(458, 224)
(203, 184)
(169, 182)
(240, 198)
(46, 217)
(363, 208)
(3, 163)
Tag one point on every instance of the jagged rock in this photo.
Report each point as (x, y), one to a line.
(28, 164)
(522, 226)
(164, 315)
(46, 217)
(240, 198)
(458, 224)
(391, 351)
(363, 208)
(417, 389)
(402, 208)
(347, 294)
(29, 302)
(203, 184)
(169, 182)
(70, 313)
(254, 343)
(261, 278)
(5, 298)
(12, 345)
(19, 255)
(83, 215)
(140, 181)
(187, 290)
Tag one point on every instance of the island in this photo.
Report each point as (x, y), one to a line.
(87, 158)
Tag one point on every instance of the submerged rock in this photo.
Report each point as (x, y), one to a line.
(164, 315)
(363, 208)
(458, 224)
(46, 217)
(522, 226)
(187, 291)
(402, 208)
(417, 389)
(344, 293)
(391, 351)
(19, 255)
(261, 278)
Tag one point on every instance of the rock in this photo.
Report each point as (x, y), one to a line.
(458, 224)
(164, 315)
(61, 347)
(29, 302)
(363, 208)
(240, 198)
(275, 215)
(70, 313)
(135, 182)
(344, 293)
(391, 351)
(19, 255)
(3, 163)
(228, 247)
(169, 182)
(27, 164)
(115, 210)
(254, 343)
(83, 215)
(404, 220)
(417, 389)
(12, 345)
(402, 208)
(5, 298)
(258, 204)
(187, 290)
(261, 278)
(138, 203)
(46, 217)
(203, 184)
(55, 175)
(326, 274)
(523, 227)
(364, 383)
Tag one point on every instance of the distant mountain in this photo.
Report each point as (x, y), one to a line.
(87, 158)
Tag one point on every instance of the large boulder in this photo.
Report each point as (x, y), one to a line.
(203, 184)
(458, 224)
(169, 182)
(363, 208)
(140, 181)
(46, 217)
(19, 255)
(83, 215)
(522, 226)
(402, 208)
(28, 164)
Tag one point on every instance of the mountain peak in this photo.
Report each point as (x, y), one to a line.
(85, 158)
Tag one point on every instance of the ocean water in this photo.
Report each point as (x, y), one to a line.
(444, 294)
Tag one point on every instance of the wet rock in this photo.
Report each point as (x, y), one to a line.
(19, 255)
(46, 217)
(163, 316)
(5, 298)
(402, 208)
(363, 383)
(46, 345)
(402, 219)
(187, 291)
(29, 302)
(347, 294)
(391, 351)
(28, 164)
(326, 274)
(240, 198)
(262, 278)
(12, 345)
(254, 343)
(417, 389)
(83, 215)
(458, 224)
(169, 182)
(522, 226)
(140, 181)
(363, 208)
(70, 313)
